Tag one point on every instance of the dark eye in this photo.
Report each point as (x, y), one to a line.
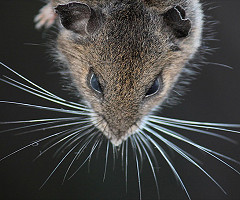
(154, 88)
(95, 83)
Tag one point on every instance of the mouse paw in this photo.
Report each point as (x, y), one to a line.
(46, 17)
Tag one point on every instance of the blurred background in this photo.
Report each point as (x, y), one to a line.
(214, 97)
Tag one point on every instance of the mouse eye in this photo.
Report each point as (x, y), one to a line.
(95, 83)
(154, 88)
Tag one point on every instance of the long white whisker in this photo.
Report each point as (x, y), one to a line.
(214, 128)
(19, 75)
(206, 150)
(149, 148)
(179, 151)
(65, 132)
(100, 138)
(197, 123)
(35, 125)
(58, 165)
(24, 86)
(75, 132)
(126, 164)
(123, 149)
(114, 156)
(45, 97)
(68, 143)
(53, 127)
(17, 83)
(142, 141)
(28, 126)
(46, 108)
(93, 149)
(80, 151)
(41, 120)
(31, 144)
(218, 64)
(139, 150)
(183, 126)
(99, 147)
(37, 86)
(137, 166)
(74, 139)
(106, 161)
(164, 154)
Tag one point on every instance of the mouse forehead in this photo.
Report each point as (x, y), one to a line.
(127, 48)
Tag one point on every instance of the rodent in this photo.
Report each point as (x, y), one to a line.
(124, 56)
(148, 138)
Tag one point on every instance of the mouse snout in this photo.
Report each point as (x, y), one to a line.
(121, 119)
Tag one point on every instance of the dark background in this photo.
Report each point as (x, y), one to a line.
(214, 96)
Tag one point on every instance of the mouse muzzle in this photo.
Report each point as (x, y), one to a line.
(119, 116)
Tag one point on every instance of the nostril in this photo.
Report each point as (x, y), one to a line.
(117, 133)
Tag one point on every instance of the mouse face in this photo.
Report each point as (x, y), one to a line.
(125, 57)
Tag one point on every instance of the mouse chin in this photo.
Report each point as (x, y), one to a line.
(119, 138)
(115, 136)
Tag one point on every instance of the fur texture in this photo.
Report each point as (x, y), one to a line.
(132, 46)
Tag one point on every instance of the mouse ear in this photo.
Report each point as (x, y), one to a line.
(176, 19)
(78, 17)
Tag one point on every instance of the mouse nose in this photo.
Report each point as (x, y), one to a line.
(120, 120)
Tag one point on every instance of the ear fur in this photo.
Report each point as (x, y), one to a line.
(78, 17)
(176, 19)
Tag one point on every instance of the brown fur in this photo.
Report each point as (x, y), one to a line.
(132, 47)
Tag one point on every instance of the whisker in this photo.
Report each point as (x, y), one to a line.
(41, 120)
(23, 85)
(196, 123)
(74, 139)
(75, 132)
(93, 149)
(32, 44)
(218, 64)
(90, 156)
(63, 133)
(214, 128)
(143, 142)
(183, 126)
(47, 108)
(122, 154)
(37, 86)
(99, 148)
(80, 151)
(43, 96)
(68, 143)
(19, 75)
(148, 147)
(58, 166)
(34, 125)
(133, 142)
(164, 154)
(114, 156)
(206, 150)
(139, 150)
(126, 164)
(31, 144)
(53, 127)
(28, 126)
(106, 161)
(180, 152)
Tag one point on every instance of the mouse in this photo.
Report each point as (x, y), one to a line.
(124, 57)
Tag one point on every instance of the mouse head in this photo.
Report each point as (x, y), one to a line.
(126, 56)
